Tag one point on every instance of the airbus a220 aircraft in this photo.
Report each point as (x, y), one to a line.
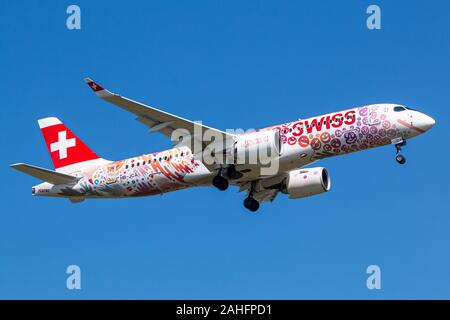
(199, 160)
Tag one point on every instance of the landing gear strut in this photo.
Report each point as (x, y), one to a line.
(232, 173)
(250, 203)
(398, 147)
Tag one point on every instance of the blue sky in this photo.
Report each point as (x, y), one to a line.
(231, 64)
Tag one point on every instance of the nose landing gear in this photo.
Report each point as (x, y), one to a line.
(399, 143)
(400, 159)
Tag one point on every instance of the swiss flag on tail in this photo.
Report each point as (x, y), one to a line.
(65, 148)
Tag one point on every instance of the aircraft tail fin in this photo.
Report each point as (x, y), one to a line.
(67, 151)
(46, 175)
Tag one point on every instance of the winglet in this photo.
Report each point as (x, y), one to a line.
(98, 89)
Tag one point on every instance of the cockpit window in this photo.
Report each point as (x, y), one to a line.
(410, 109)
(399, 108)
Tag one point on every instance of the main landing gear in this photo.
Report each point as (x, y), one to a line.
(220, 182)
(250, 203)
(398, 147)
(232, 173)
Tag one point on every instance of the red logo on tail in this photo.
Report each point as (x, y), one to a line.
(65, 148)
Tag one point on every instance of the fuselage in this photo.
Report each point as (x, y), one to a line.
(304, 142)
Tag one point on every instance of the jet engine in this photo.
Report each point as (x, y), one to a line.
(258, 147)
(306, 182)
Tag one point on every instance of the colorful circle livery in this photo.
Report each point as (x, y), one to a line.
(335, 143)
(346, 131)
(350, 137)
(303, 141)
(315, 144)
(292, 140)
(325, 137)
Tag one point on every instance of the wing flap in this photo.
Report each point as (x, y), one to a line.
(265, 195)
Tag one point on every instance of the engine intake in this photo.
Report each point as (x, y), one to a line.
(306, 182)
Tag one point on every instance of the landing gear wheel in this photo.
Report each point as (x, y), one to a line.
(251, 204)
(398, 147)
(400, 159)
(220, 183)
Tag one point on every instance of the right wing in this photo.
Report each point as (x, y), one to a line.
(161, 121)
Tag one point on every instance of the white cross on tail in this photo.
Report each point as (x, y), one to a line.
(62, 144)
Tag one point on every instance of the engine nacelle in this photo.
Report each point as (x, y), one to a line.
(306, 182)
(258, 147)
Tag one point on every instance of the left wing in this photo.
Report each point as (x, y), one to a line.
(164, 122)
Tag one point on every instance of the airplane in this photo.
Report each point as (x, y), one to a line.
(262, 163)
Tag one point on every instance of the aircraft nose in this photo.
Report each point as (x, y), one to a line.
(427, 122)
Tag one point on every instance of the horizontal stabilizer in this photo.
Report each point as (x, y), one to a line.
(46, 175)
